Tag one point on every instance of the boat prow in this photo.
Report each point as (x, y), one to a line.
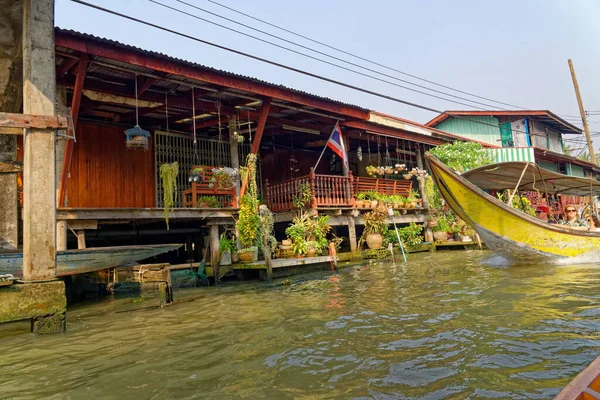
(586, 384)
(511, 233)
(71, 262)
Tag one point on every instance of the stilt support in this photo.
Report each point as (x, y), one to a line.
(352, 233)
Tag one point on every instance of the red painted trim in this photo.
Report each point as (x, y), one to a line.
(75, 104)
(170, 66)
(262, 120)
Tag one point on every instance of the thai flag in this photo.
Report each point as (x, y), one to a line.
(336, 143)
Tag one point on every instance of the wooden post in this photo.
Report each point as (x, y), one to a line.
(81, 239)
(61, 236)
(235, 157)
(76, 102)
(586, 128)
(352, 233)
(421, 181)
(262, 120)
(214, 250)
(39, 91)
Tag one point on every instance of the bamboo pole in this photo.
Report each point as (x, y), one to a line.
(586, 128)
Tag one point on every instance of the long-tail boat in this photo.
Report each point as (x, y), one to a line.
(71, 262)
(585, 386)
(511, 233)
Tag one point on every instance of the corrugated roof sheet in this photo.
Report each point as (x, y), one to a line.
(192, 64)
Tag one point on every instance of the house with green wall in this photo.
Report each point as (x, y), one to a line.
(522, 135)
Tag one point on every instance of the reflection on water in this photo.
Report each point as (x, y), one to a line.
(444, 325)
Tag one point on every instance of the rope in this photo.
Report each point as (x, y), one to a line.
(510, 198)
(194, 115)
(167, 108)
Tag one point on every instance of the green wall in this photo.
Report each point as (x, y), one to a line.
(465, 126)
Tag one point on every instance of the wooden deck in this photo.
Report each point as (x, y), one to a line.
(127, 214)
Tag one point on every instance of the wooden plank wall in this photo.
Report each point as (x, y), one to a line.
(104, 173)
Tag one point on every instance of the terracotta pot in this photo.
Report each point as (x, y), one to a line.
(234, 257)
(311, 252)
(374, 203)
(413, 204)
(359, 203)
(286, 242)
(440, 236)
(246, 256)
(396, 205)
(374, 241)
(407, 177)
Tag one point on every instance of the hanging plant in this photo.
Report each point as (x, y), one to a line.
(168, 174)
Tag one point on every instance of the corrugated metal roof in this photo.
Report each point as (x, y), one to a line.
(543, 116)
(189, 63)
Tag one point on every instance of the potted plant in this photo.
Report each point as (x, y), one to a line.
(228, 247)
(208, 202)
(360, 200)
(411, 234)
(412, 198)
(375, 228)
(407, 177)
(440, 231)
(303, 196)
(248, 223)
(223, 177)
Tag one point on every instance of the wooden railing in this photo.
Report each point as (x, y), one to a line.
(280, 196)
(226, 195)
(383, 186)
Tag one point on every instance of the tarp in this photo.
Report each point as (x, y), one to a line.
(506, 176)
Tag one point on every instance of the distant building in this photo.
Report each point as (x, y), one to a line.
(522, 135)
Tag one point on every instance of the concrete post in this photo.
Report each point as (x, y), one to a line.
(215, 254)
(233, 148)
(11, 99)
(419, 157)
(61, 235)
(39, 91)
(352, 233)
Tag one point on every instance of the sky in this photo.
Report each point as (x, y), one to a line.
(512, 51)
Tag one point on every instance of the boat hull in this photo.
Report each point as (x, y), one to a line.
(71, 262)
(508, 232)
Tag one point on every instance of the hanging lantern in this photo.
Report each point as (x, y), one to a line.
(136, 138)
(359, 153)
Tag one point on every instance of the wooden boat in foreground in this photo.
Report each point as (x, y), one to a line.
(71, 262)
(585, 386)
(509, 232)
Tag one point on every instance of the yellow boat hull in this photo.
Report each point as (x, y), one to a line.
(509, 232)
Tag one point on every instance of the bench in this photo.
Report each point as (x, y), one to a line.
(383, 186)
(203, 188)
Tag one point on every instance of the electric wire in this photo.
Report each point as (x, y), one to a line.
(308, 48)
(324, 61)
(359, 57)
(284, 66)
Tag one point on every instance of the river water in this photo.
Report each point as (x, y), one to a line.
(446, 325)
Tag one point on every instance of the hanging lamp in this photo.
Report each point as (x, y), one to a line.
(136, 137)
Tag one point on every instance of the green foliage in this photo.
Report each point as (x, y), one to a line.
(434, 199)
(411, 234)
(248, 223)
(226, 243)
(303, 196)
(444, 223)
(168, 174)
(462, 156)
(268, 241)
(310, 231)
(519, 202)
(375, 223)
(413, 195)
(211, 200)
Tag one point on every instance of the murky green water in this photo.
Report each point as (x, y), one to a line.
(443, 326)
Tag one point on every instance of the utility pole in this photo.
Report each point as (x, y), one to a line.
(586, 129)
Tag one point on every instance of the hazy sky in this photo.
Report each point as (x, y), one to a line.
(511, 51)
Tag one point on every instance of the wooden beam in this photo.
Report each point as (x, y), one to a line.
(145, 85)
(29, 121)
(75, 104)
(170, 66)
(262, 120)
(66, 65)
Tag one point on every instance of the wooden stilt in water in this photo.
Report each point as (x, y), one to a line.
(352, 233)
(214, 250)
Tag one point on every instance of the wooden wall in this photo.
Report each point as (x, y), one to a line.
(104, 173)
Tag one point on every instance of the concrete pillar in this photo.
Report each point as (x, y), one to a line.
(11, 99)
(352, 233)
(233, 145)
(81, 239)
(215, 254)
(39, 91)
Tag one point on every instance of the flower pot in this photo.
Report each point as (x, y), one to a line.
(204, 204)
(248, 255)
(225, 257)
(374, 241)
(359, 203)
(286, 242)
(299, 256)
(440, 236)
(407, 176)
(374, 203)
(396, 205)
(311, 252)
(413, 204)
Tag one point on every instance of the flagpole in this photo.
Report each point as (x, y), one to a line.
(325, 147)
